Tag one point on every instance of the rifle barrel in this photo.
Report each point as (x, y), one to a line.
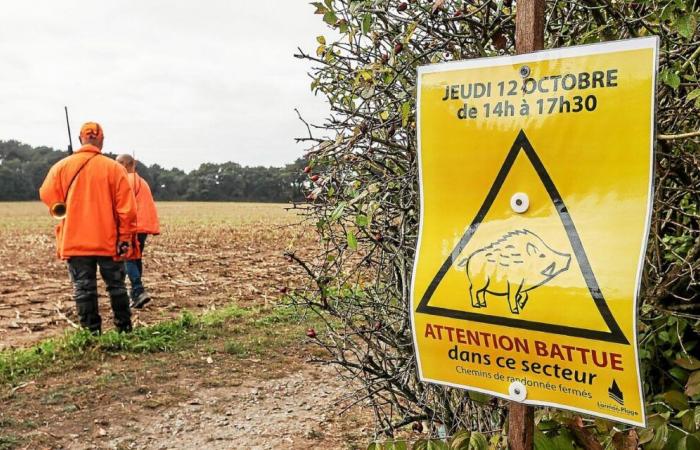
(70, 138)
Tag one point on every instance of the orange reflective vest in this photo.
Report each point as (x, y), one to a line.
(146, 213)
(100, 205)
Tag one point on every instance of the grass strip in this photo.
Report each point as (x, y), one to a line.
(251, 330)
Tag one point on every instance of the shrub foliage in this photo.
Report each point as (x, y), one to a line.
(363, 202)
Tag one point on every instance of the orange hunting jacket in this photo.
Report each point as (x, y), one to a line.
(147, 215)
(100, 207)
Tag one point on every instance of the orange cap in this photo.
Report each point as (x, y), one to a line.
(91, 130)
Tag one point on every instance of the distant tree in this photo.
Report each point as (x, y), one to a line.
(23, 168)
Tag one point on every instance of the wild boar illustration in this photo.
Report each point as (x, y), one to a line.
(512, 266)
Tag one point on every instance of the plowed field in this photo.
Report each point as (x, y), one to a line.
(209, 254)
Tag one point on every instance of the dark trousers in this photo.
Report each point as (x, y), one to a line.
(83, 274)
(134, 269)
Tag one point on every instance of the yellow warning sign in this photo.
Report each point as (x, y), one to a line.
(536, 173)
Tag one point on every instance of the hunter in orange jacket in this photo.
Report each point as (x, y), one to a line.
(146, 223)
(146, 213)
(100, 205)
(91, 195)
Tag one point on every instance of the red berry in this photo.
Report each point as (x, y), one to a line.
(315, 178)
(307, 169)
(398, 47)
(402, 6)
(458, 13)
(311, 333)
(283, 289)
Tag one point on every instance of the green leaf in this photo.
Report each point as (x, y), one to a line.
(688, 422)
(420, 444)
(366, 74)
(660, 438)
(477, 441)
(337, 212)
(689, 363)
(670, 78)
(689, 442)
(361, 220)
(320, 9)
(558, 442)
(686, 24)
(479, 397)
(405, 113)
(366, 23)
(460, 440)
(692, 387)
(548, 425)
(679, 374)
(388, 445)
(330, 18)
(436, 444)
(542, 442)
(693, 95)
(352, 240)
(410, 29)
(645, 435)
(321, 40)
(399, 445)
(676, 399)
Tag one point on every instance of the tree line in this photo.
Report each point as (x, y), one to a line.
(23, 168)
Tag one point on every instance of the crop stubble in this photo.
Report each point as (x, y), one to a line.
(208, 255)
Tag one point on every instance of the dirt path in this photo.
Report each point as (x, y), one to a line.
(296, 411)
(189, 400)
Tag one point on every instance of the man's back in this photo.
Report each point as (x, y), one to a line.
(100, 207)
(147, 215)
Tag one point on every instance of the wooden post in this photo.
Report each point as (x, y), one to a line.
(521, 426)
(529, 26)
(529, 36)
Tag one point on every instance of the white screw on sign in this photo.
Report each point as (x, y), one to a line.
(519, 202)
(517, 391)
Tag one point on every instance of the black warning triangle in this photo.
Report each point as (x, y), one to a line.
(615, 334)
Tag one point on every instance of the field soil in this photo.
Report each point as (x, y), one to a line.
(209, 255)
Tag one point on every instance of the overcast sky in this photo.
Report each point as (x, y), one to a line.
(179, 82)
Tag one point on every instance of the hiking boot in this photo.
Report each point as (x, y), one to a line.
(140, 301)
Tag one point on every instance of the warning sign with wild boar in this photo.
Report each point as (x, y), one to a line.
(536, 174)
